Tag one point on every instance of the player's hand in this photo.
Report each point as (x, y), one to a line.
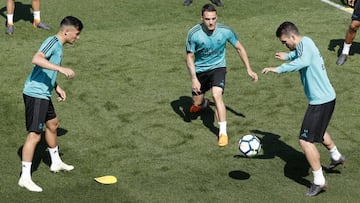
(60, 93)
(269, 69)
(254, 77)
(196, 86)
(69, 73)
(280, 55)
(351, 3)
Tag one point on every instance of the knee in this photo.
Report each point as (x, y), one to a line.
(217, 99)
(33, 137)
(52, 125)
(303, 143)
(217, 96)
(354, 27)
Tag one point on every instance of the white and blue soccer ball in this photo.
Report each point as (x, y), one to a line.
(250, 145)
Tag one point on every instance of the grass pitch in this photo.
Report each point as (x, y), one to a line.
(124, 113)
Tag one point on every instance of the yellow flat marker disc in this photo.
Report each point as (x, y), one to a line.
(349, 9)
(106, 179)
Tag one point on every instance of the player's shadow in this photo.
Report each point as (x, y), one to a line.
(334, 43)
(182, 105)
(21, 12)
(296, 166)
(41, 153)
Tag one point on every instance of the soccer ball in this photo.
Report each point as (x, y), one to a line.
(250, 145)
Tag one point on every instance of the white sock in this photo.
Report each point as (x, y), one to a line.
(10, 19)
(26, 169)
(319, 178)
(54, 154)
(346, 49)
(334, 153)
(36, 15)
(222, 128)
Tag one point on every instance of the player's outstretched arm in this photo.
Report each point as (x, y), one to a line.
(39, 59)
(244, 57)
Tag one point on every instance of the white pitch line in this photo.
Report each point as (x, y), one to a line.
(346, 9)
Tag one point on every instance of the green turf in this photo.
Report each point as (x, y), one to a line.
(124, 113)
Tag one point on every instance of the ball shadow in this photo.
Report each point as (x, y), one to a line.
(239, 175)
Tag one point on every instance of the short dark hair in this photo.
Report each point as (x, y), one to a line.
(72, 21)
(287, 28)
(209, 8)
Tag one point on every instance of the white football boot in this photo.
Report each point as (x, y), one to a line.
(61, 166)
(29, 184)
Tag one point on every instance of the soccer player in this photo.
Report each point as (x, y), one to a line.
(351, 32)
(205, 60)
(10, 7)
(216, 2)
(305, 57)
(39, 110)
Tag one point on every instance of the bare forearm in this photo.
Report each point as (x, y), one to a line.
(191, 65)
(244, 58)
